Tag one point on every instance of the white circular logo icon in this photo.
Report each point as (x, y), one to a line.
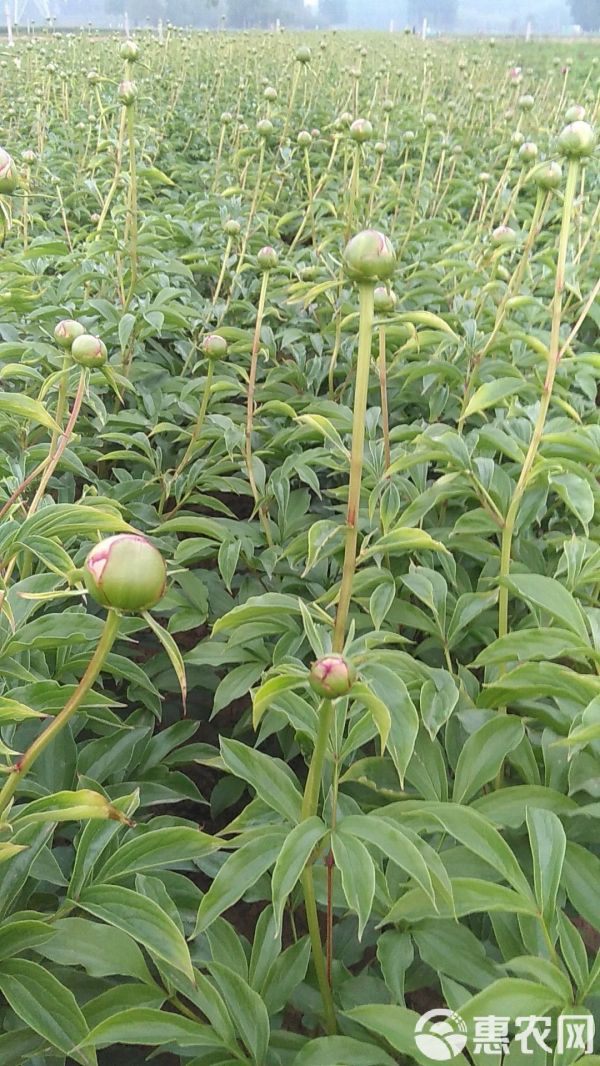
(440, 1034)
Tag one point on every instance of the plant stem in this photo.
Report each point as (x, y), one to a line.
(309, 808)
(554, 354)
(107, 639)
(133, 213)
(250, 408)
(365, 330)
(385, 417)
(200, 420)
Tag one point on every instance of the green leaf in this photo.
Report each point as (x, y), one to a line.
(491, 394)
(357, 871)
(396, 1025)
(155, 848)
(269, 691)
(401, 540)
(247, 1010)
(376, 708)
(548, 845)
(483, 755)
(142, 919)
(270, 778)
(510, 997)
(549, 595)
(150, 1028)
(394, 843)
(291, 861)
(22, 406)
(172, 651)
(238, 873)
(100, 949)
(341, 1051)
(46, 1006)
(471, 895)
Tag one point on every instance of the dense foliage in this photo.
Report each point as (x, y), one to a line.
(206, 849)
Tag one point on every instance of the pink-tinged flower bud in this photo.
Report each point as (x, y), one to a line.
(67, 331)
(577, 140)
(361, 130)
(267, 258)
(332, 677)
(504, 237)
(130, 51)
(369, 256)
(125, 572)
(384, 299)
(214, 346)
(549, 176)
(89, 351)
(127, 93)
(575, 113)
(8, 173)
(528, 152)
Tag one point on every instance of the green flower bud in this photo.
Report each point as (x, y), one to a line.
(304, 139)
(577, 140)
(526, 102)
(226, 118)
(429, 120)
(29, 156)
(369, 256)
(549, 176)
(528, 152)
(361, 130)
(270, 94)
(66, 331)
(127, 93)
(380, 147)
(303, 54)
(93, 77)
(214, 346)
(129, 50)
(88, 350)
(484, 177)
(504, 237)
(384, 299)
(517, 139)
(231, 227)
(575, 113)
(8, 173)
(125, 572)
(264, 128)
(332, 677)
(409, 136)
(267, 258)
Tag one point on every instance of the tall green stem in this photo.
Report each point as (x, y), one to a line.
(365, 330)
(46, 737)
(553, 359)
(200, 420)
(133, 212)
(250, 408)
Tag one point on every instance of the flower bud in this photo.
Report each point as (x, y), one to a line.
(304, 139)
(125, 572)
(575, 113)
(429, 120)
(93, 77)
(332, 677)
(129, 51)
(270, 94)
(485, 177)
(526, 102)
(214, 346)
(66, 331)
(384, 299)
(528, 152)
(8, 173)
(516, 139)
(226, 118)
(127, 93)
(577, 140)
(504, 237)
(88, 350)
(303, 54)
(549, 176)
(380, 147)
(29, 156)
(231, 227)
(264, 128)
(361, 130)
(409, 136)
(267, 258)
(369, 256)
